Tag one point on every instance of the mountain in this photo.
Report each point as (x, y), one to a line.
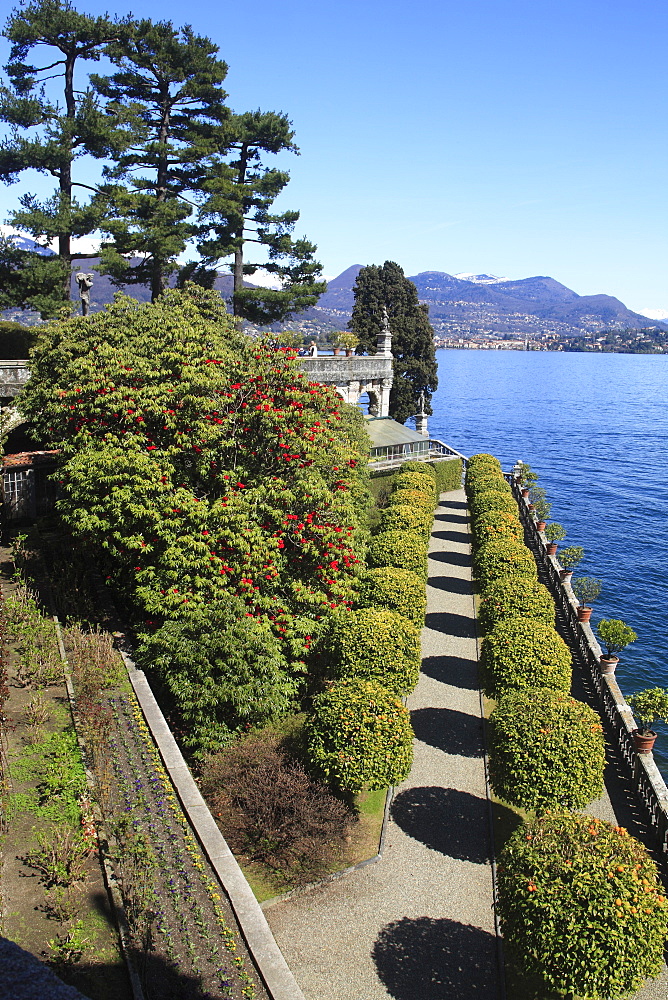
(481, 305)
(461, 306)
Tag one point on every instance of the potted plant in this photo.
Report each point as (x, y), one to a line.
(554, 533)
(336, 341)
(615, 635)
(586, 589)
(648, 707)
(348, 340)
(526, 477)
(569, 558)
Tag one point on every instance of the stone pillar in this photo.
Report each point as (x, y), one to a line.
(384, 397)
(421, 424)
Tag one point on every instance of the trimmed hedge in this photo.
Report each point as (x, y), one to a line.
(497, 524)
(524, 653)
(448, 475)
(360, 735)
(416, 482)
(407, 518)
(483, 459)
(503, 558)
(375, 644)
(403, 549)
(424, 468)
(482, 503)
(396, 589)
(413, 498)
(515, 597)
(582, 908)
(481, 484)
(546, 750)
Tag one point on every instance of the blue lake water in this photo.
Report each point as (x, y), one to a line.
(595, 429)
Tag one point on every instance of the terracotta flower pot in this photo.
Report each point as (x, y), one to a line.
(644, 742)
(551, 548)
(565, 575)
(337, 350)
(540, 525)
(530, 506)
(525, 492)
(584, 614)
(608, 664)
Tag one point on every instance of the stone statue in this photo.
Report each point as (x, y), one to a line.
(85, 283)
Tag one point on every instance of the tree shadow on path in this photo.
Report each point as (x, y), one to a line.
(448, 730)
(454, 670)
(460, 626)
(452, 558)
(428, 959)
(451, 585)
(451, 822)
(452, 536)
(452, 505)
(451, 518)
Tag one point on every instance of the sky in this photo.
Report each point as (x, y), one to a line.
(506, 137)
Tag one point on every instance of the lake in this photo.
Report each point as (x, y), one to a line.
(595, 429)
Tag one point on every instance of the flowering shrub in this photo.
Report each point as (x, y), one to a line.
(582, 907)
(515, 597)
(525, 653)
(503, 557)
(546, 750)
(402, 549)
(497, 524)
(482, 459)
(375, 644)
(360, 735)
(396, 589)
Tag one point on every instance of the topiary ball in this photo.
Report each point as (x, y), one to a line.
(396, 589)
(407, 518)
(546, 750)
(403, 549)
(375, 644)
(496, 525)
(491, 500)
(503, 557)
(359, 735)
(581, 907)
(525, 653)
(515, 597)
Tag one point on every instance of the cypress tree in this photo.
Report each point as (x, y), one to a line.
(415, 369)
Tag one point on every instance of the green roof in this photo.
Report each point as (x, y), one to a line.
(386, 432)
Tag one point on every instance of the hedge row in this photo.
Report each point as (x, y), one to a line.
(359, 733)
(581, 906)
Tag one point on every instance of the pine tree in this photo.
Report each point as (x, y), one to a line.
(415, 368)
(168, 87)
(236, 211)
(61, 129)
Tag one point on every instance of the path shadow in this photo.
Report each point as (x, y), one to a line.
(452, 558)
(452, 505)
(451, 518)
(451, 822)
(428, 959)
(449, 730)
(451, 584)
(452, 536)
(455, 670)
(450, 624)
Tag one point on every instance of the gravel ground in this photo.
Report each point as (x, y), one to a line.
(417, 925)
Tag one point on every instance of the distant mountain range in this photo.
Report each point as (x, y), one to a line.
(460, 305)
(483, 305)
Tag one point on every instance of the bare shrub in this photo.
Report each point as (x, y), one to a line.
(271, 810)
(94, 662)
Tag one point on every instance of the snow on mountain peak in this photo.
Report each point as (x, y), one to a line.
(480, 279)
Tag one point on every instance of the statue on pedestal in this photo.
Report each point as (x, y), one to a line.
(85, 283)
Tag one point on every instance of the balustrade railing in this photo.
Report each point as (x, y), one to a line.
(647, 781)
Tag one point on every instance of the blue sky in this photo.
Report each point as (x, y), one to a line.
(502, 136)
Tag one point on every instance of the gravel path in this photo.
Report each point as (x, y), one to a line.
(417, 925)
